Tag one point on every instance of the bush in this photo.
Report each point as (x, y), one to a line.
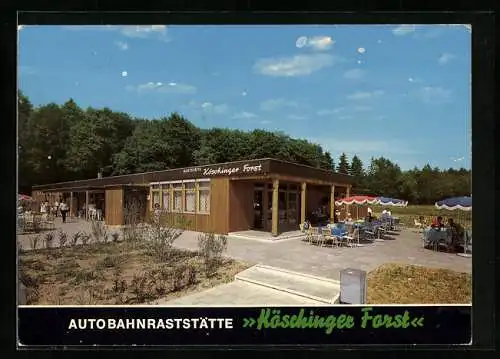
(62, 237)
(34, 240)
(160, 239)
(183, 276)
(75, 238)
(49, 239)
(211, 248)
(98, 231)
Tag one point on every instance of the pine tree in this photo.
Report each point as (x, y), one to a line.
(343, 166)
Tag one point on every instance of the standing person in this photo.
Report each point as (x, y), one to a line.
(63, 207)
(56, 207)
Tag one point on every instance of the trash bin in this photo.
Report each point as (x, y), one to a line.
(352, 286)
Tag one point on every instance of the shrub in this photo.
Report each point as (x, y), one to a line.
(211, 248)
(48, 239)
(98, 231)
(85, 238)
(115, 236)
(62, 237)
(160, 240)
(34, 240)
(75, 238)
(140, 287)
(119, 287)
(182, 276)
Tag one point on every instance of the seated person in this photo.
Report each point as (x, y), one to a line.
(437, 223)
(457, 232)
(306, 224)
(348, 218)
(369, 217)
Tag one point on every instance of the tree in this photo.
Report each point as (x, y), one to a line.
(47, 142)
(95, 138)
(356, 170)
(343, 166)
(58, 143)
(24, 110)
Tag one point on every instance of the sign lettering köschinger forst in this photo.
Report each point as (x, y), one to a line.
(226, 171)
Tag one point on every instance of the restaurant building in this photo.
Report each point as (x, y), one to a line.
(262, 194)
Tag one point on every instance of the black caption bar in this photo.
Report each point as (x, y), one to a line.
(244, 326)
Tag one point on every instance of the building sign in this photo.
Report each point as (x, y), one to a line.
(213, 171)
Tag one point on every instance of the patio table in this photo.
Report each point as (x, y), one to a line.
(434, 236)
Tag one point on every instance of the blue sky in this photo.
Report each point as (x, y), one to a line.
(399, 91)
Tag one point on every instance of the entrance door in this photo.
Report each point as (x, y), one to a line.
(258, 208)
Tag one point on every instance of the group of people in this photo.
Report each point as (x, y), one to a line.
(58, 207)
(456, 229)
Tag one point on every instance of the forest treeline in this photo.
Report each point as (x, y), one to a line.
(65, 142)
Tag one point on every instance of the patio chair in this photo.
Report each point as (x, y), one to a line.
(310, 235)
(328, 237)
(418, 225)
(352, 238)
(368, 234)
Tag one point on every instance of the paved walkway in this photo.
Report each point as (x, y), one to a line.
(240, 293)
(301, 257)
(298, 256)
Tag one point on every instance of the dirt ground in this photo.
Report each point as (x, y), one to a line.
(116, 273)
(410, 284)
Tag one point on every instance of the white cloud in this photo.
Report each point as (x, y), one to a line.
(361, 95)
(135, 31)
(169, 88)
(433, 95)
(124, 73)
(319, 43)
(361, 50)
(327, 112)
(445, 58)
(362, 108)
(299, 65)
(212, 108)
(275, 104)
(244, 116)
(297, 117)
(122, 45)
(354, 74)
(403, 30)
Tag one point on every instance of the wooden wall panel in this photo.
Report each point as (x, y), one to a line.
(219, 205)
(114, 206)
(241, 211)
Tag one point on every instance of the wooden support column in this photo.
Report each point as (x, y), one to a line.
(332, 203)
(275, 213)
(265, 205)
(71, 214)
(87, 199)
(347, 194)
(303, 198)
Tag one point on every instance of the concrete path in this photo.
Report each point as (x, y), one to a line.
(311, 287)
(240, 293)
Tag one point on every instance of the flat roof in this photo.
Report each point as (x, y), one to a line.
(264, 167)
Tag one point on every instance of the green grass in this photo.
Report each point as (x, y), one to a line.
(408, 214)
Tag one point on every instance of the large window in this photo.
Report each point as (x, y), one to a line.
(191, 196)
(204, 196)
(166, 194)
(177, 190)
